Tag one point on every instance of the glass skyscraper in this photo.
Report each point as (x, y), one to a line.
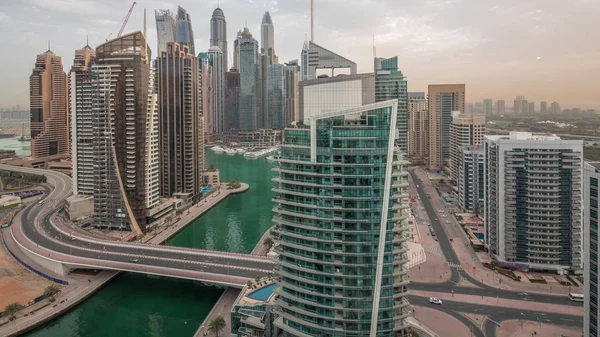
(341, 220)
(390, 84)
(249, 61)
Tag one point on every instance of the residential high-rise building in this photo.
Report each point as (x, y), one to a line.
(358, 220)
(525, 107)
(276, 96)
(465, 130)
(591, 321)
(470, 108)
(555, 108)
(49, 107)
(262, 90)
(82, 125)
(487, 107)
(184, 34)
(206, 75)
(180, 113)
(249, 67)
(236, 51)
(216, 62)
(390, 83)
(418, 136)
(218, 34)
(267, 38)
(500, 107)
(315, 57)
(543, 108)
(518, 104)
(291, 75)
(533, 201)
(166, 29)
(443, 99)
(470, 178)
(531, 108)
(232, 97)
(126, 134)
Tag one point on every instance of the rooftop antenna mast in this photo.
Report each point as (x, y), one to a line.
(374, 49)
(312, 20)
(145, 38)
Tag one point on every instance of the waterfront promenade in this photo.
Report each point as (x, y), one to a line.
(80, 287)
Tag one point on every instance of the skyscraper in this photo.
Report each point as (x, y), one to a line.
(500, 107)
(471, 175)
(315, 57)
(391, 84)
(518, 106)
(291, 76)
(555, 108)
(215, 61)
(531, 108)
(82, 117)
(267, 38)
(206, 75)
(443, 99)
(236, 51)
(218, 34)
(591, 320)
(185, 34)
(357, 221)
(418, 134)
(533, 201)
(124, 103)
(249, 63)
(166, 29)
(466, 129)
(543, 108)
(232, 99)
(49, 107)
(487, 107)
(276, 96)
(180, 111)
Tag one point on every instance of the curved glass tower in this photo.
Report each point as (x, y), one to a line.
(341, 225)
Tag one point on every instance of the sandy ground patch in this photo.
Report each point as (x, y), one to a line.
(513, 329)
(441, 323)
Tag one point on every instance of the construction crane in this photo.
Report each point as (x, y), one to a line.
(124, 21)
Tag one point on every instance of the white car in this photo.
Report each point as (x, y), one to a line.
(435, 301)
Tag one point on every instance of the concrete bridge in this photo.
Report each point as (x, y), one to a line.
(43, 237)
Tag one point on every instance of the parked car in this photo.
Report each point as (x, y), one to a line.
(133, 260)
(434, 300)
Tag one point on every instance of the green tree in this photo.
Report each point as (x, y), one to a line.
(51, 290)
(216, 325)
(268, 241)
(12, 309)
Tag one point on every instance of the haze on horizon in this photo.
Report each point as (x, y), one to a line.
(541, 49)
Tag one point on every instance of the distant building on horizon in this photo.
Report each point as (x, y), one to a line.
(487, 107)
(531, 107)
(49, 107)
(500, 107)
(543, 108)
(216, 60)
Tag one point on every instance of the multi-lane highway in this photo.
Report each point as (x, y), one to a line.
(43, 234)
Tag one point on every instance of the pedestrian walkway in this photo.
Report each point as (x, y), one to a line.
(434, 249)
(455, 265)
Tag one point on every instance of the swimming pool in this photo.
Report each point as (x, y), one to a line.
(207, 189)
(263, 294)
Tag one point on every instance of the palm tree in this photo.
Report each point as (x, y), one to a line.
(216, 325)
(51, 290)
(12, 308)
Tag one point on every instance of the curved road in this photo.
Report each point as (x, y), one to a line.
(42, 235)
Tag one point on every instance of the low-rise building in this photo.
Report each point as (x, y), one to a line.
(79, 207)
(9, 200)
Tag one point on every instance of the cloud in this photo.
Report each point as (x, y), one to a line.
(5, 19)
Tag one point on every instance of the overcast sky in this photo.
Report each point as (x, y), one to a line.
(541, 49)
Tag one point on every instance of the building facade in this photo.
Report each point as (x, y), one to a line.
(418, 132)
(470, 179)
(390, 83)
(216, 63)
(465, 129)
(591, 177)
(276, 96)
(500, 107)
(82, 126)
(249, 66)
(543, 108)
(291, 76)
(487, 106)
(341, 213)
(49, 107)
(184, 34)
(315, 57)
(533, 201)
(443, 99)
(267, 39)
(180, 125)
(218, 34)
(231, 110)
(166, 29)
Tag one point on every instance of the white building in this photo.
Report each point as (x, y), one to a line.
(590, 219)
(471, 172)
(533, 200)
(466, 129)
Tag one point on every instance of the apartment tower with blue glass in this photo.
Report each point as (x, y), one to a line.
(391, 84)
(340, 209)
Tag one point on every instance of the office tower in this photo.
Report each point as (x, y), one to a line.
(531, 108)
(465, 130)
(152, 171)
(216, 62)
(533, 201)
(544, 108)
(249, 63)
(166, 29)
(500, 107)
(262, 92)
(236, 50)
(417, 125)
(334, 94)
(555, 108)
(487, 106)
(591, 176)
(391, 84)
(82, 126)
(291, 75)
(184, 34)
(124, 103)
(49, 106)
(276, 96)
(518, 106)
(358, 221)
(316, 57)
(443, 99)
(267, 38)
(179, 112)
(218, 34)
(232, 96)
(470, 178)
(525, 107)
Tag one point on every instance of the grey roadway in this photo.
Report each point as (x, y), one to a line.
(239, 266)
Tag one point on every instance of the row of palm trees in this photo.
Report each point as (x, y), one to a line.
(11, 309)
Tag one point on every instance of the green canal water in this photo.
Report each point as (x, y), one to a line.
(136, 305)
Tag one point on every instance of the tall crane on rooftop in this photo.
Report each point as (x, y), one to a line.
(124, 21)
